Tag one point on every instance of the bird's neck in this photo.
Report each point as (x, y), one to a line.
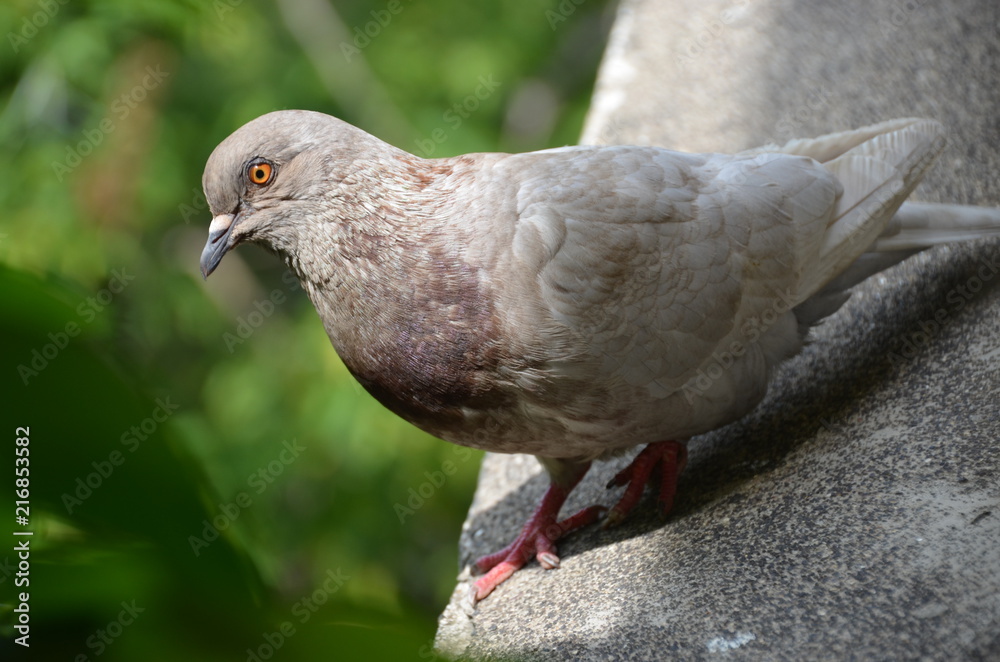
(408, 315)
(382, 208)
(383, 244)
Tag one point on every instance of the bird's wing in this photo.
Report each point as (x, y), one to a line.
(654, 260)
(659, 261)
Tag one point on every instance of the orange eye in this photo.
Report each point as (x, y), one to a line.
(260, 173)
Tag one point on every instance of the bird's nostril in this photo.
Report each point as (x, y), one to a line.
(220, 224)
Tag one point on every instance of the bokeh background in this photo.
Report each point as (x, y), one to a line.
(207, 481)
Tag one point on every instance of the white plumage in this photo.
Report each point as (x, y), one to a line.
(662, 288)
(575, 302)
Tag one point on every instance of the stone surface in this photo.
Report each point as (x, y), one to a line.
(856, 512)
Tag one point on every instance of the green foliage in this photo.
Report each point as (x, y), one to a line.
(109, 111)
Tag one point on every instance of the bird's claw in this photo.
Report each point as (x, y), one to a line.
(537, 539)
(664, 460)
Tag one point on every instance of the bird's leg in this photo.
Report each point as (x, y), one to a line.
(667, 458)
(539, 534)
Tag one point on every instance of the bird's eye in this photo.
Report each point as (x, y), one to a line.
(260, 173)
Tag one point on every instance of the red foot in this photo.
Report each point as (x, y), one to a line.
(665, 459)
(537, 539)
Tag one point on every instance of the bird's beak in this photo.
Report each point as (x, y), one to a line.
(218, 243)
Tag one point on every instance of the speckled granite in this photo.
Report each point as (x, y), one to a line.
(856, 513)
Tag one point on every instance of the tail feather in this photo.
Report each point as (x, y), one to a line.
(919, 225)
(873, 228)
(915, 227)
(878, 168)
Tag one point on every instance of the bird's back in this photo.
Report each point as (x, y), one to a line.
(655, 291)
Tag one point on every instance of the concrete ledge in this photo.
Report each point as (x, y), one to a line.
(856, 512)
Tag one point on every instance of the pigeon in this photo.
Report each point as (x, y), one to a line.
(574, 303)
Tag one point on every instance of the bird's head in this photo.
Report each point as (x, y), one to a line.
(269, 179)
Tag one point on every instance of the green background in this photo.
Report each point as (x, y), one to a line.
(178, 400)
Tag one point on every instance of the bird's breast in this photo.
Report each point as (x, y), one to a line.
(425, 340)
